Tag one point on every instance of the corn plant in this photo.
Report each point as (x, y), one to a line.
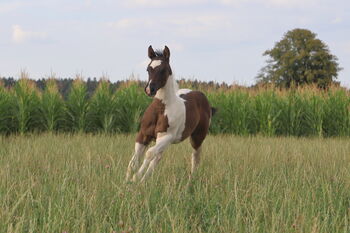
(305, 111)
(26, 106)
(52, 107)
(291, 116)
(131, 102)
(6, 105)
(77, 107)
(336, 113)
(314, 115)
(266, 113)
(103, 112)
(234, 111)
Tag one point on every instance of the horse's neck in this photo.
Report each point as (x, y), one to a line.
(167, 94)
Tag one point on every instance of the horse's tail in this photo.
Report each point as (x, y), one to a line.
(213, 111)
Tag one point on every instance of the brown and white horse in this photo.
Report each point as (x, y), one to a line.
(174, 115)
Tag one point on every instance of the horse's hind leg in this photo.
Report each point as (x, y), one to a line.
(196, 144)
(196, 140)
(140, 147)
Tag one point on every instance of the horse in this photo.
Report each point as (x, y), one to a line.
(173, 115)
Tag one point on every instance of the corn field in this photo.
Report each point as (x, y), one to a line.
(304, 111)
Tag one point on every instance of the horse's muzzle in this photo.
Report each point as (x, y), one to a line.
(150, 90)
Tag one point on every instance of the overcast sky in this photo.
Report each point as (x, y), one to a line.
(220, 40)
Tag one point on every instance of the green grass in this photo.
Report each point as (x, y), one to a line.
(75, 183)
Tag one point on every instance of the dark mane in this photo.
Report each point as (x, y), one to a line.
(159, 53)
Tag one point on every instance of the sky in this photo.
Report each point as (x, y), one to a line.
(209, 40)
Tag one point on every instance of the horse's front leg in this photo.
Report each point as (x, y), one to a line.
(153, 156)
(135, 160)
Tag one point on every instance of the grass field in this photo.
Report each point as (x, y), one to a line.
(75, 183)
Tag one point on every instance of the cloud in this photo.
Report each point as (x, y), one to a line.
(337, 20)
(274, 3)
(132, 23)
(174, 3)
(346, 47)
(162, 3)
(20, 36)
(10, 6)
(179, 25)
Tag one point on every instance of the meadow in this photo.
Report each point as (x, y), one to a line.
(75, 183)
(276, 160)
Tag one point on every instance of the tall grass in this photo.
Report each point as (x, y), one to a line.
(75, 183)
(305, 111)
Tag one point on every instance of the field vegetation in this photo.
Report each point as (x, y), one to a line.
(269, 111)
(75, 183)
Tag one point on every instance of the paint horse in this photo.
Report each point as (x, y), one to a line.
(173, 116)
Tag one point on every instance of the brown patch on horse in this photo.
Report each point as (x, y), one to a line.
(153, 122)
(198, 113)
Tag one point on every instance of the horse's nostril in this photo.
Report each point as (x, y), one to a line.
(152, 89)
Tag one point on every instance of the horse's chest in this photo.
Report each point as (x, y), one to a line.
(176, 115)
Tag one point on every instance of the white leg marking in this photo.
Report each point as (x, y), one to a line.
(151, 166)
(195, 159)
(135, 160)
(155, 152)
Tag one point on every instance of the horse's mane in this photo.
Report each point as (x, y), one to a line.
(159, 53)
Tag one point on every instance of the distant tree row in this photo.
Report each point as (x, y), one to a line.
(64, 85)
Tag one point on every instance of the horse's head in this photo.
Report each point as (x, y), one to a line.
(158, 70)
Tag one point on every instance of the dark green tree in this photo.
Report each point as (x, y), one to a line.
(299, 58)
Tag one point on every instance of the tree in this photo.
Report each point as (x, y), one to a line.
(299, 58)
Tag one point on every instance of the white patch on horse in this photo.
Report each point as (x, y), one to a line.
(175, 109)
(155, 63)
(159, 135)
(183, 91)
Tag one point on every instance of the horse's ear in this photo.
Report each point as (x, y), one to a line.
(166, 53)
(151, 53)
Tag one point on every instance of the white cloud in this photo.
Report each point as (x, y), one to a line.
(179, 25)
(20, 36)
(10, 6)
(274, 3)
(337, 20)
(347, 47)
(162, 3)
(176, 46)
(132, 23)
